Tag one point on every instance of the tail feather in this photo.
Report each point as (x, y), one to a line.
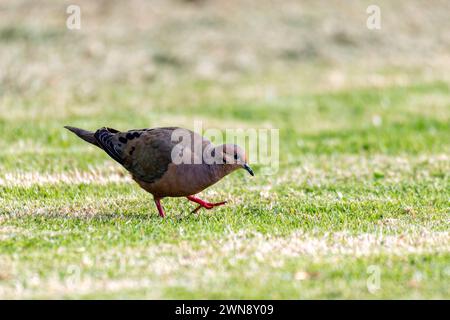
(87, 136)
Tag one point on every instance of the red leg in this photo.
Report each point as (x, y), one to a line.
(204, 204)
(160, 209)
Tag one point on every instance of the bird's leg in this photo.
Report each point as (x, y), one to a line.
(204, 204)
(160, 209)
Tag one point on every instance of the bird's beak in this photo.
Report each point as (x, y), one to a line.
(249, 170)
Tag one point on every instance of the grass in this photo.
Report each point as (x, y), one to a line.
(363, 178)
(348, 195)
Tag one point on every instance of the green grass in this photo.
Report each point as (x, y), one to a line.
(348, 195)
(364, 168)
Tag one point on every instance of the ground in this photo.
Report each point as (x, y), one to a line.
(359, 207)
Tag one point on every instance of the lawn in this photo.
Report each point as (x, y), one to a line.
(363, 181)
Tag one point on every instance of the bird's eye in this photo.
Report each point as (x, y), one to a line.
(236, 157)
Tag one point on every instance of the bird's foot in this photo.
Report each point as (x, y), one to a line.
(204, 204)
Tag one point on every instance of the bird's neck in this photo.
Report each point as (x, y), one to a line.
(218, 171)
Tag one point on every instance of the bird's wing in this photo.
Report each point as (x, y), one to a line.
(108, 140)
(115, 143)
(146, 153)
(148, 156)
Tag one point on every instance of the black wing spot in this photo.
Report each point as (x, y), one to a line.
(123, 140)
(133, 135)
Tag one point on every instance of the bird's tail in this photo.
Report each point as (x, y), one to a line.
(87, 136)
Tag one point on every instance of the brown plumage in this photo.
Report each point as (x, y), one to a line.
(150, 155)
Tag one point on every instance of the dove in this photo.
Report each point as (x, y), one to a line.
(169, 161)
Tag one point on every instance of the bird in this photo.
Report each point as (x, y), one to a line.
(169, 161)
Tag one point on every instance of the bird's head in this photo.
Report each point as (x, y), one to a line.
(235, 157)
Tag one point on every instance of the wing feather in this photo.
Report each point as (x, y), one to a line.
(145, 153)
(107, 140)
